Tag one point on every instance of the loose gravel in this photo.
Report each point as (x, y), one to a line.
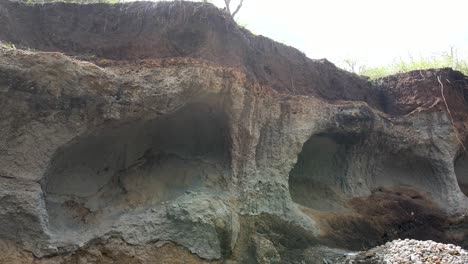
(410, 251)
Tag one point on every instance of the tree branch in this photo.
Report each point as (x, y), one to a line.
(237, 9)
(228, 3)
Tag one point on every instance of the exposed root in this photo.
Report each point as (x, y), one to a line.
(450, 114)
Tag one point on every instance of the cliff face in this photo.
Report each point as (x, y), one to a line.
(139, 132)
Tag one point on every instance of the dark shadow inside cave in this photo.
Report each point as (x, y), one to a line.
(405, 170)
(461, 170)
(399, 204)
(318, 178)
(135, 166)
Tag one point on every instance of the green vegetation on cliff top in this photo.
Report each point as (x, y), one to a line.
(445, 60)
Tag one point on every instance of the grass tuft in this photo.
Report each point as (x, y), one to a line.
(445, 60)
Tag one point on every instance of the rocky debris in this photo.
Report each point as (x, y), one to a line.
(326, 255)
(265, 251)
(413, 251)
(108, 251)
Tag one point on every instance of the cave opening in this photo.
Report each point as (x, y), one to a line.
(318, 178)
(461, 171)
(363, 197)
(100, 176)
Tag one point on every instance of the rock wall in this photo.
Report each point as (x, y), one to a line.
(143, 131)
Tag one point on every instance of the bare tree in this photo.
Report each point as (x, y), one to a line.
(228, 7)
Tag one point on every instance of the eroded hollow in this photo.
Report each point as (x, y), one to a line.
(319, 176)
(405, 170)
(363, 196)
(461, 170)
(136, 166)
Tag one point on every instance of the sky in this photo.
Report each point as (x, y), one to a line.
(373, 32)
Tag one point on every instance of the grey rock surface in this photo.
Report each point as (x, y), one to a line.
(265, 251)
(164, 146)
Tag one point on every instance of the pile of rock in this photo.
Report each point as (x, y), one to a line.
(413, 251)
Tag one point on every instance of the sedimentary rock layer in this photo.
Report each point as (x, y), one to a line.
(139, 131)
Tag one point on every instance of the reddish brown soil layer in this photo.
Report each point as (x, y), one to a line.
(421, 91)
(390, 214)
(145, 30)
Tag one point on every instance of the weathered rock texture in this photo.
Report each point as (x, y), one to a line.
(144, 132)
